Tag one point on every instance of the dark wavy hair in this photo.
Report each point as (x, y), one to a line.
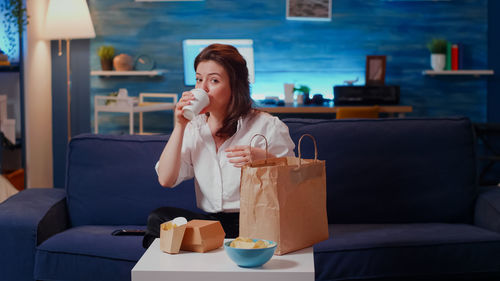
(240, 103)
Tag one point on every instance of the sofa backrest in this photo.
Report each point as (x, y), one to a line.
(378, 171)
(111, 180)
(394, 170)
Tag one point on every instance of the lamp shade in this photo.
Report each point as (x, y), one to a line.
(68, 19)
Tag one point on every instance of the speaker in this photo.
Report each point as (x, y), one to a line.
(366, 95)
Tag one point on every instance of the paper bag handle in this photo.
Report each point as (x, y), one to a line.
(315, 148)
(258, 135)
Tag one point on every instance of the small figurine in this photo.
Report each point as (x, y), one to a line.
(4, 59)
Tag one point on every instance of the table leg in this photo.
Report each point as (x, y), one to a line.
(140, 123)
(96, 121)
(131, 122)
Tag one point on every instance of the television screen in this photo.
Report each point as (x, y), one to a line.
(192, 47)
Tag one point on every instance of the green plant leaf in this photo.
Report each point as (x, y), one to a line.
(437, 46)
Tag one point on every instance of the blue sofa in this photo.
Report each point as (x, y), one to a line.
(403, 204)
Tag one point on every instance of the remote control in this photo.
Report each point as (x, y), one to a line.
(128, 232)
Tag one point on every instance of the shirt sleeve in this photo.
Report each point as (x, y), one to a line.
(280, 142)
(186, 170)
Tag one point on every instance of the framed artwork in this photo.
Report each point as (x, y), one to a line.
(316, 10)
(416, 0)
(375, 70)
(166, 0)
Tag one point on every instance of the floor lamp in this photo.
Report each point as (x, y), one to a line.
(66, 20)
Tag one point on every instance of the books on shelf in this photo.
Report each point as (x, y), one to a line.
(460, 56)
(448, 57)
(454, 56)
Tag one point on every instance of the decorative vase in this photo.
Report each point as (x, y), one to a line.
(438, 62)
(300, 99)
(123, 62)
(289, 90)
(307, 100)
(107, 64)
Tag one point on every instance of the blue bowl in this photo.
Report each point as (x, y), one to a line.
(250, 257)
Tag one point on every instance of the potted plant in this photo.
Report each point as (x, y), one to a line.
(303, 91)
(106, 54)
(437, 47)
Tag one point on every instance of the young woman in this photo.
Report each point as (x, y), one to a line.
(214, 146)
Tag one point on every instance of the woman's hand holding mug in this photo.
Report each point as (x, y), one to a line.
(191, 104)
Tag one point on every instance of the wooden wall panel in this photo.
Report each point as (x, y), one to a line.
(317, 54)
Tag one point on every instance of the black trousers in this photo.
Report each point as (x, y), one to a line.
(229, 221)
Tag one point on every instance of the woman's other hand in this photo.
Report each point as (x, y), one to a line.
(240, 155)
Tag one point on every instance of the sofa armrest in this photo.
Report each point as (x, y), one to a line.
(487, 212)
(26, 220)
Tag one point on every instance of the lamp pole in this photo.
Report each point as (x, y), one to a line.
(68, 82)
(66, 20)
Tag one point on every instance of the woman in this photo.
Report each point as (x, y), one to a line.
(214, 146)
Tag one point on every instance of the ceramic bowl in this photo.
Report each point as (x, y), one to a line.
(250, 257)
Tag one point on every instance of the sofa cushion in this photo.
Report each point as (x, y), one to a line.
(402, 250)
(394, 170)
(111, 180)
(88, 253)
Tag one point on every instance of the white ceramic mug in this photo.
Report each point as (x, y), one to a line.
(201, 101)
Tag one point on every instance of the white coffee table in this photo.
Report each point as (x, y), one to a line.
(215, 265)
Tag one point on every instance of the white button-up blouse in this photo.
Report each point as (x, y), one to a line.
(217, 182)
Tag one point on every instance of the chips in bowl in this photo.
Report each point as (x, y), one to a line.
(248, 243)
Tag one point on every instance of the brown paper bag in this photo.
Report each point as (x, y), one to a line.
(284, 200)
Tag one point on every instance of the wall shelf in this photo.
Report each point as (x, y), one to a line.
(9, 68)
(126, 73)
(475, 73)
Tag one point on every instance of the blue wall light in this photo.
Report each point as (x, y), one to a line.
(9, 40)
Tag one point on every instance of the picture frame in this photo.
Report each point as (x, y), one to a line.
(375, 70)
(309, 10)
(168, 0)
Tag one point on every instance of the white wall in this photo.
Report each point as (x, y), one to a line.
(38, 99)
